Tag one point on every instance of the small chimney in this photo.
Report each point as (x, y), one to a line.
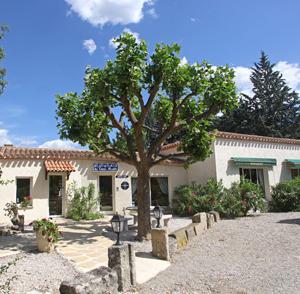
(8, 145)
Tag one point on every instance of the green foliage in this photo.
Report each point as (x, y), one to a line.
(286, 196)
(83, 203)
(3, 29)
(48, 228)
(273, 110)
(143, 85)
(235, 201)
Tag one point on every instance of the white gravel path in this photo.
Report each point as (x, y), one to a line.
(248, 255)
(36, 271)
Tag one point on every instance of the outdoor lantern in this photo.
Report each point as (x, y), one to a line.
(158, 213)
(117, 224)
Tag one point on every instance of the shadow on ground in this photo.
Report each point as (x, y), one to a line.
(295, 221)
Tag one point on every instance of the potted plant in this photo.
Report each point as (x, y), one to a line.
(47, 234)
(27, 202)
(11, 210)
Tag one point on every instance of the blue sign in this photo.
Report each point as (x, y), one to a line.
(99, 167)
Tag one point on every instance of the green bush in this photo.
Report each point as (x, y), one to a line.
(235, 201)
(286, 196)
(83, 204)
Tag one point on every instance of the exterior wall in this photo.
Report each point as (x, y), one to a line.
(228, 172)
(201, 171)
(84, 174)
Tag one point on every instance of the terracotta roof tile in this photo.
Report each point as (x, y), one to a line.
(243, 137)
(59, 166)
(12, 152)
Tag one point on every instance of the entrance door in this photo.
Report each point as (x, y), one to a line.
(105, 188)
(55, 195)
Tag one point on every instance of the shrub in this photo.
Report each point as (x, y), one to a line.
(286, 196)
(235, 201)
(83, 203)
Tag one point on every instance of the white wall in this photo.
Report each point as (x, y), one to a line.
(83, 175)
(228, 172)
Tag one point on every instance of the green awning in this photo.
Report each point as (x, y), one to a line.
(246, 161)
(293, 163)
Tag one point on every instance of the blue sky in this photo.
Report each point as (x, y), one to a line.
(50, 43)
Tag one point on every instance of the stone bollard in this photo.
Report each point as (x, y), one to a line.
(216, 216)
(122, 259)
(102, 280)
(200, 218)
(210, 220)
(160, 243)
(190, 231)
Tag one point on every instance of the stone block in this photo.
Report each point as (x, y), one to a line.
(102, 280)
(210, 220)
(190, 231)
(120, 258)
(200, 228)
(181, 238)
(172, 245)
(160, 243)
(200, 218)
(216, 216)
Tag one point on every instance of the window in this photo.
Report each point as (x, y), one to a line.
(295, 173)
(23, 189)
(159, 191)
(255, 175)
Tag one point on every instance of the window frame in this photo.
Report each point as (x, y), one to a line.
(250, 169)
(30, 188)
(298, 173)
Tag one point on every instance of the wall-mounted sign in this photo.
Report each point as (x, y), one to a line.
(99, 167)
(121, 177)
(125, 185)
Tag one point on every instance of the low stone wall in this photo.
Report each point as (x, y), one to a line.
(164, 245)
(119, 276)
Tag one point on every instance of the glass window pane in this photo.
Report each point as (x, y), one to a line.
(134, 191)
(247, 174)
(295, 173)
(253, 176)
(260, 178)
(159, 191)
(23, 189)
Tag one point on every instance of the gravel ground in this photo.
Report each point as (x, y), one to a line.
(35, 271)
(248, 255)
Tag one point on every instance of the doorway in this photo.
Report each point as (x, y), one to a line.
(55, 195)
(105, 188)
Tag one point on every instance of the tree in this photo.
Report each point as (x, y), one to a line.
(116, 109)
(273, 110)
(3, 29)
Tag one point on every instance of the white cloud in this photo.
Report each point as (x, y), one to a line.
(100, 12)
(152, 12)
(183, 61)
(4, 138)
(194, 19)
(59, 144)
(290, 72)
(126, 30)
(90, 46)
(27, 142)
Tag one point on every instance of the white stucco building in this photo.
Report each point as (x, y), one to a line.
(45, 174)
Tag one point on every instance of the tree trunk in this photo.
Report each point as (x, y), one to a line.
(143, 199)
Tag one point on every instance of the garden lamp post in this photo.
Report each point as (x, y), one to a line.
(158, 213)
(117, 224)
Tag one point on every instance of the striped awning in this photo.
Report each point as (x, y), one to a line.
(293, 163)
(248, 161)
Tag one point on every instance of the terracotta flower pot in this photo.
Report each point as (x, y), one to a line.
(42, 242)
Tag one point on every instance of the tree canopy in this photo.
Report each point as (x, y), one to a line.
(273, 110)
(131, 106)
(3, 29)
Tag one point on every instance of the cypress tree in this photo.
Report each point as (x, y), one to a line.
(273, 110)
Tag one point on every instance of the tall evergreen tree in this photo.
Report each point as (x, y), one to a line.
(3, 29)
(273, 110)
